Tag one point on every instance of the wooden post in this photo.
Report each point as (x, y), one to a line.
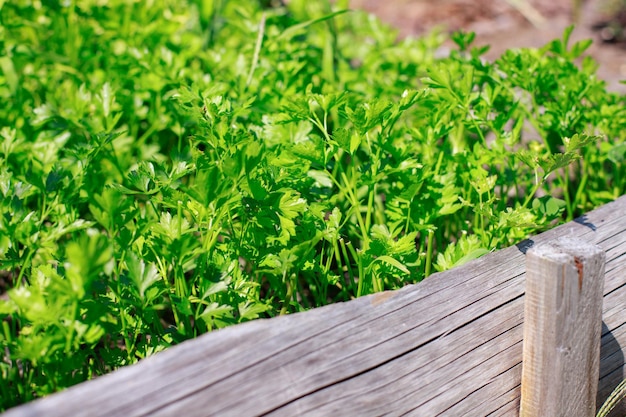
(562, 329)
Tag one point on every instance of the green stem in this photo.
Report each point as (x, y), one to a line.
(124, 331)
(70, 334)
(429, 252)
(344, 251)
(24, 266)
(377, 283)
(289, 295)
(341, 271)
(566, 195)
(530, 196)
(359, 262)
(257, 51)
(350, 193)
(370, 207)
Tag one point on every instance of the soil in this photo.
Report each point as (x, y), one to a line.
(505, 24)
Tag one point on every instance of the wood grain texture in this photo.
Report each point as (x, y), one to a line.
(562, 328)
(450, 345)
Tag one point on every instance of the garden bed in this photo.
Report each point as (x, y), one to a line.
(196, 165)
(448, 346)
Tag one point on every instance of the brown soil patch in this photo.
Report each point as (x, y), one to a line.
(502, 25)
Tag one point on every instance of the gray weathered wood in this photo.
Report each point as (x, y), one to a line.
(562, 329)
(450, 345)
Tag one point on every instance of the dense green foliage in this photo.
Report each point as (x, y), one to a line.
(172, 167)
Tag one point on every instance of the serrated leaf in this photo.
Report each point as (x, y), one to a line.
(215, 288)
(528, 157)
(322, 178)
(216, 310)
(251, 310)
(392, 262)
(467, 248)
(577, 142)
(557, 161)
(141, 274)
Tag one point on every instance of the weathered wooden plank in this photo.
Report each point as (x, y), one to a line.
(419, 379)
(562, 328)
(480, 402)
(511, 408)
(449, 345)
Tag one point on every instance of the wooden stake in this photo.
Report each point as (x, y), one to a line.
(562, 329)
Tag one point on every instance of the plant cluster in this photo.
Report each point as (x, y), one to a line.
(173, 167)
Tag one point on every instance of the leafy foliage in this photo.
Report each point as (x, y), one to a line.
(174, 169)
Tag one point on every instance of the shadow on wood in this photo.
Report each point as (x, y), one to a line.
(611, 370)
(450, 346)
